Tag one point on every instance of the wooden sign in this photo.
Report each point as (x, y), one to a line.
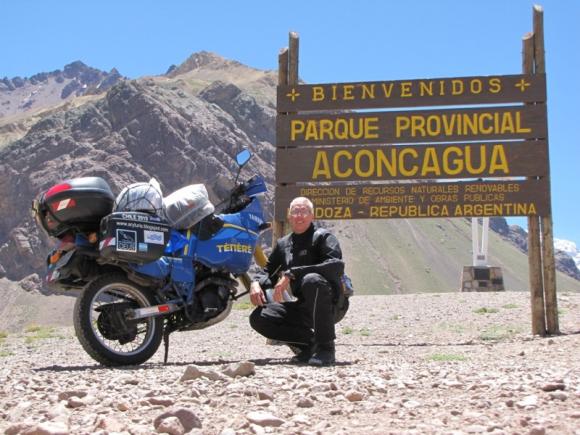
(420, 200)
(413, 93)
(490, 123)
(399, 162)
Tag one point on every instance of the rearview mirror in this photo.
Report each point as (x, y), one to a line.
(243, 157)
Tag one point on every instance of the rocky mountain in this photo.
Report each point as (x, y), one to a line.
(185, 127)
(158, 127)
(20, 95)
(567, 257)
(569, 248)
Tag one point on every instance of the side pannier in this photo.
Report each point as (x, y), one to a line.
(187, 206)
(133, 237)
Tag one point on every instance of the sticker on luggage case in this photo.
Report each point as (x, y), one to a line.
(143, 247)
(126, 241)
(155, 237)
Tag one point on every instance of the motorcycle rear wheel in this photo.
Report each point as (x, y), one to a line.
(104, 331)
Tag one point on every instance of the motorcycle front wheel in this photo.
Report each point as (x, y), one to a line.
(105, 331)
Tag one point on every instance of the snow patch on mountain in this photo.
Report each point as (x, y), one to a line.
(569, 248)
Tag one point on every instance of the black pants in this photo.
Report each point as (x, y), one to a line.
(310, 319)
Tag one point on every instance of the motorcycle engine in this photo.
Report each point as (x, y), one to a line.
(212, 300)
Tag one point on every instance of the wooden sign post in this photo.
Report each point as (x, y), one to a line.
(493, 143)
(540, 229)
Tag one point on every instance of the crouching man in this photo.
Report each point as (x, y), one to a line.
(307, 263)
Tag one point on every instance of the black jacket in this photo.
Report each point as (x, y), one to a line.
(314, 251)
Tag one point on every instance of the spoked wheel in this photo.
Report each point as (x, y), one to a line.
(106, 332)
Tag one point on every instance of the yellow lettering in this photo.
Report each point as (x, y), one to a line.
(482, 128)
(296, 127)
(498, 161)
(519, 127)
(326, 129)
(417, 124)
(371, 126)
(361, 128)
(358, 165)
(449, 124)
(457, 87)
(406, 89)
(341, 128)
(430, 162)
(475, 86)
(336, 164)
(433, 125)
(311, 131)
(507, 123)
(469, 160)
(347, 92)
(317, 93)
(455, 166)
(387, 89)
(368, 91)
(494, 85)
(402, 169)
(321, 166)
(426, 88)
(471, 123)
(401, 123)
(382, 160)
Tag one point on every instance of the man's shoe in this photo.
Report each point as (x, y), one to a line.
(302, 353)
(324, 355)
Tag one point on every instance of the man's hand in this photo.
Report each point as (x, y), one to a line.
(257, 297)
(281, 286)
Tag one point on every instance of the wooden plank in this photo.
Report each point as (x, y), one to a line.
(550, 296)
(412, 93)
(539, 54)
(534, 253)
(445, 125)
(535, 272)
(400, 162)
(278, 225)
(420, 200)
(283, 67)
(293, 43)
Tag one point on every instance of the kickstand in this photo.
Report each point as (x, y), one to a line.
(166, 344)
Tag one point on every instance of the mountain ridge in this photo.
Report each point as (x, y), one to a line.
(20, 95)
(185, 127)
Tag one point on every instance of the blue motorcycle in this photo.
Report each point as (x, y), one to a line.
(140, 278)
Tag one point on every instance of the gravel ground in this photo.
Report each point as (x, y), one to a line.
(430, 363)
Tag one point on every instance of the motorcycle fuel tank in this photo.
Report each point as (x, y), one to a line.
(233, 246)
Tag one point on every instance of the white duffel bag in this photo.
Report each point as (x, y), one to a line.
(187, 206)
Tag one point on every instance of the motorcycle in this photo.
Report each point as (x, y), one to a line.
(144, 275)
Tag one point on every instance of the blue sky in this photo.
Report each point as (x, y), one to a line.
(340, 41)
